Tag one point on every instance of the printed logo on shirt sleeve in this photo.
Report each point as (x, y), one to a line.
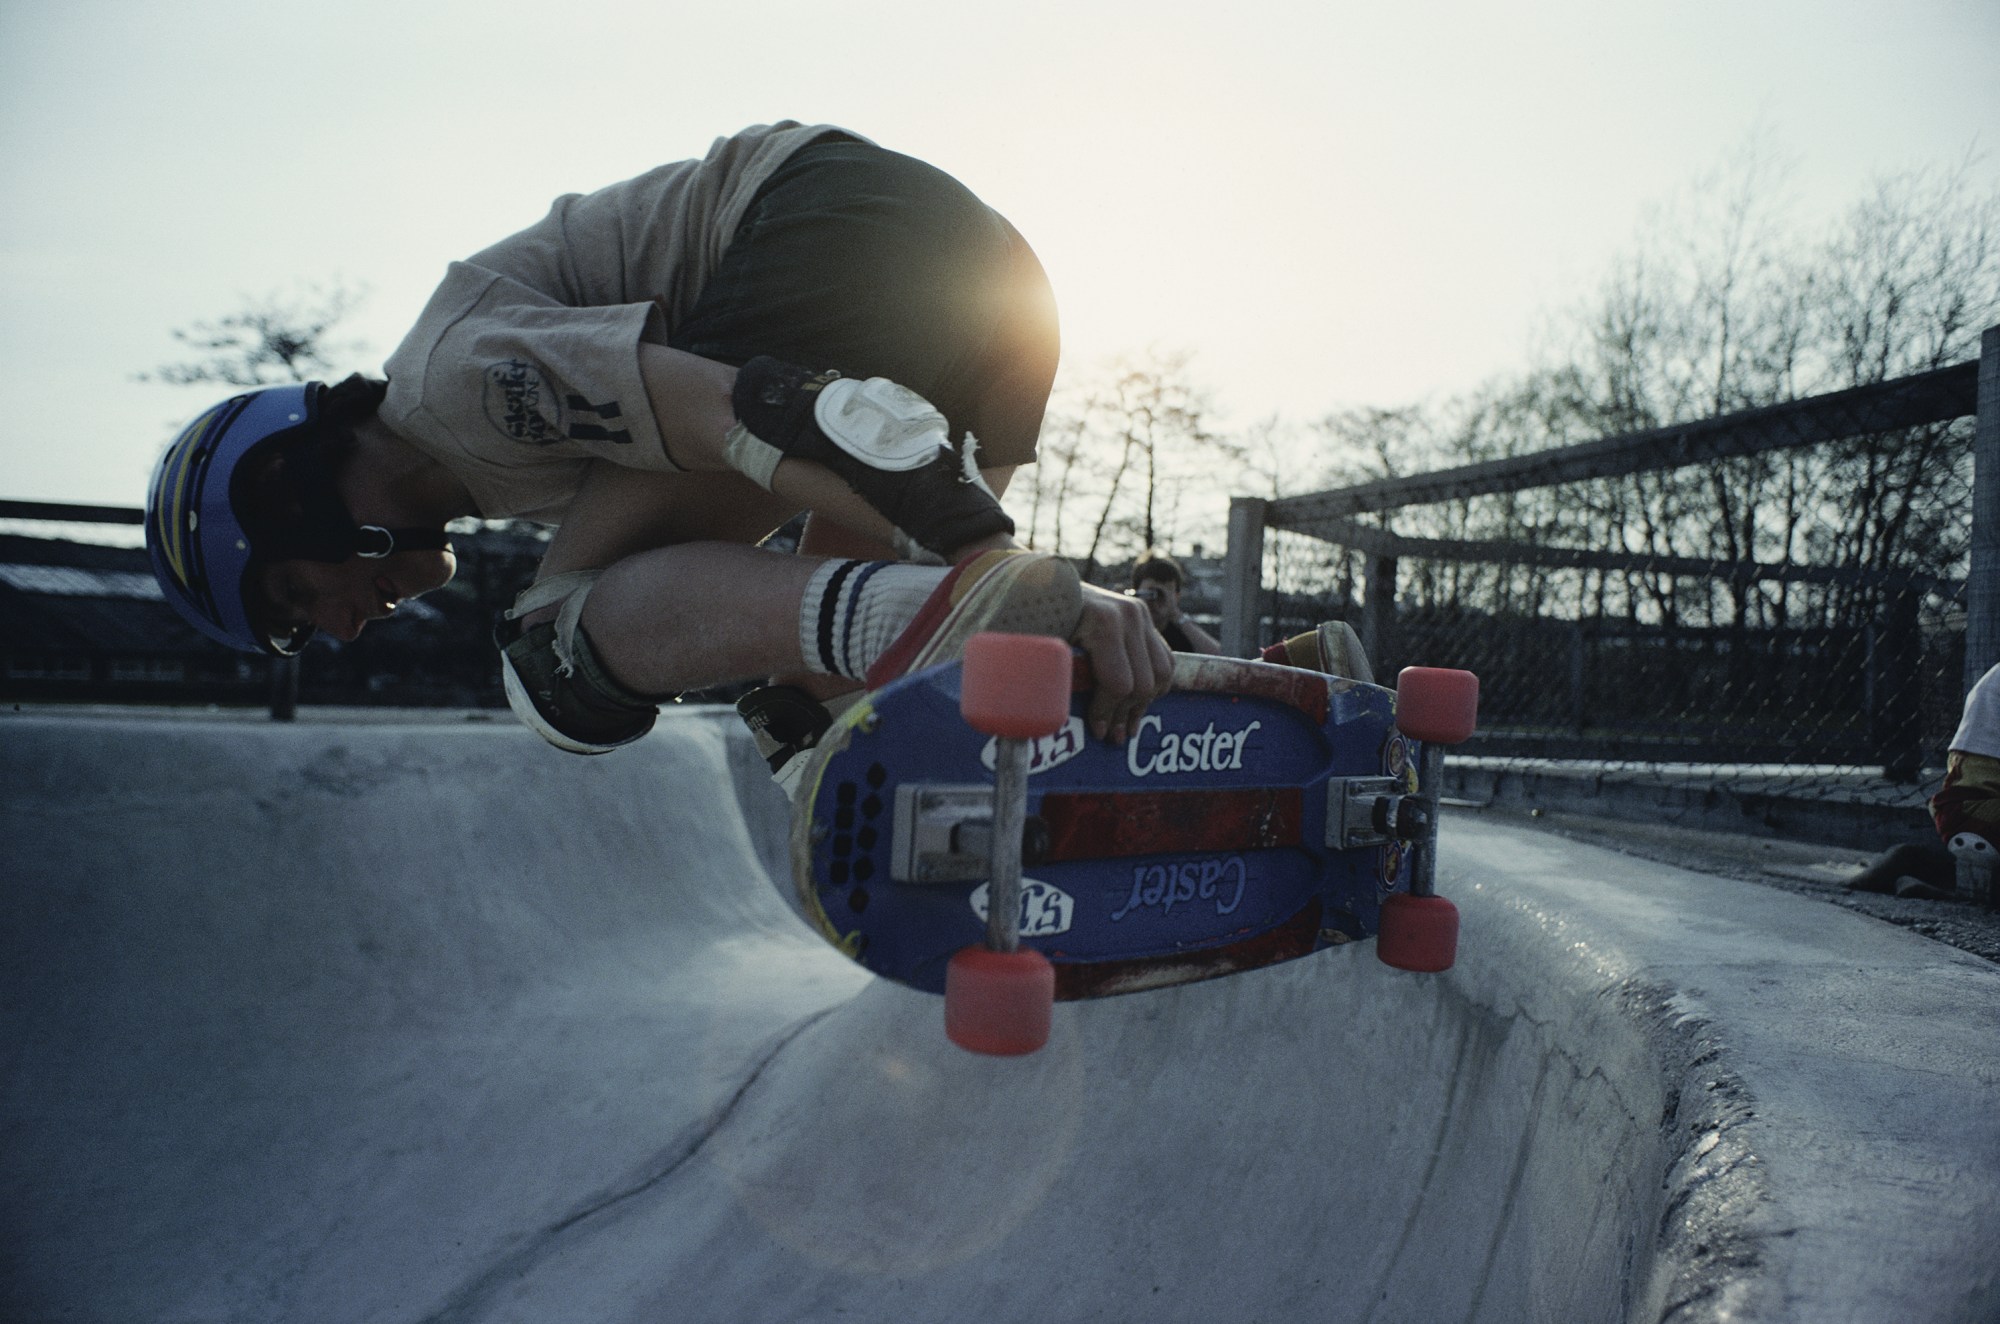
(526, 405)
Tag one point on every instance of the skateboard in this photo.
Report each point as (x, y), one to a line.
(960, 832)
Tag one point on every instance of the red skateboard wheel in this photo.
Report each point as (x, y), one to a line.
(1437, 704)
(1418, 933)
(1015, 685)
(999, 1003)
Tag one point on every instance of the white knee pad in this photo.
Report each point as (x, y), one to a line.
(881, 424)
(892, 446)
(887, 427)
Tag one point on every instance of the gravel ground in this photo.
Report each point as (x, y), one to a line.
(1798, 867)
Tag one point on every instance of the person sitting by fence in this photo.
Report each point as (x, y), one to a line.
(1965, 810)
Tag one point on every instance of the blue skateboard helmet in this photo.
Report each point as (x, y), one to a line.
(209, 535)
(196, 532)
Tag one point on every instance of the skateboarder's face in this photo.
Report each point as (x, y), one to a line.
(342, 598)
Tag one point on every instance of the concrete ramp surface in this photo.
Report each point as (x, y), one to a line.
(424, 1021)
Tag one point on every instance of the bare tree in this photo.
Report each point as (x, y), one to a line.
(1132, 447)
(276, 337)
(1720, 307)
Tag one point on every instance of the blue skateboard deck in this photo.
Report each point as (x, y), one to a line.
(1217, 838)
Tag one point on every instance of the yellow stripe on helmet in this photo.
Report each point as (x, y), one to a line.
(171, 509)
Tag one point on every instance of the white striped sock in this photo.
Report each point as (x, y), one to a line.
(853, 610)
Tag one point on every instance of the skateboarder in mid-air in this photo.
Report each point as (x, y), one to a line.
(667, 370)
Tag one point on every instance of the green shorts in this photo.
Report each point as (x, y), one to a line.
(857, 258)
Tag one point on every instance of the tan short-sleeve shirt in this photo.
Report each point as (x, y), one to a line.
(524, 365)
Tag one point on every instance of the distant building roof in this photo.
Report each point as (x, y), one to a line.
(63, 597)
(64, 581)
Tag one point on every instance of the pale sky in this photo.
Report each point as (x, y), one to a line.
(1331, 204)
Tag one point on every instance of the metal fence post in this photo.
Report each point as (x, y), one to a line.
(1982, 585)
(1378, 615)
(284, 688)
(1895, 676)
(1243, 576)
(1579, 672)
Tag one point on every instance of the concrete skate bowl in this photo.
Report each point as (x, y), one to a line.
(423, 1021)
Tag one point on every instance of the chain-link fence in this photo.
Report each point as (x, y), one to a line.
(1772, 603)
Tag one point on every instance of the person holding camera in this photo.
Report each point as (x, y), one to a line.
(1157, 581)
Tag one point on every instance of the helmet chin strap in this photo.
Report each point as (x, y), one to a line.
(323, 529)
(374, 542)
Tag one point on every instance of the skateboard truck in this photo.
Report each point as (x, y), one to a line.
(999, 998)
(1436, 707)
(1368, 811)
(944, 833)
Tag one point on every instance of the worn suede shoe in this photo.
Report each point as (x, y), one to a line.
(1011, 591)
(575, 706)
(784, 720)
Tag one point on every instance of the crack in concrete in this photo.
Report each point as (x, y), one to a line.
(1484, 1028)
(472, 1300)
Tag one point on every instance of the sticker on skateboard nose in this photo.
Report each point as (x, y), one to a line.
(1045, 910)
(1044, 752)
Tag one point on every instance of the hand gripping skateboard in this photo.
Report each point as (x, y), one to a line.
(957, 830)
